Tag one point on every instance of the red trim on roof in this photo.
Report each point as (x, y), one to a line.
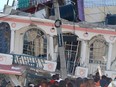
(69, 27)
(90, 30)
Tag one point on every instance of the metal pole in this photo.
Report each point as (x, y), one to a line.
(7, 2)
(13, 3)
(61, 53)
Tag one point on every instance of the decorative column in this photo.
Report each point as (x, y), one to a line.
(12, 41)
(109, 56)
(83, 53)
(51, 47)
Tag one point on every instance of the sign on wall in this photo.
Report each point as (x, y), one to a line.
(81, 72)
(6, 59)
(49, 66)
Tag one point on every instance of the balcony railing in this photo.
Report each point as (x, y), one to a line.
(27, 60)
(97, 61)
(93, 65)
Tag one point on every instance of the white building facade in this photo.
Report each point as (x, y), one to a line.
(38, 37)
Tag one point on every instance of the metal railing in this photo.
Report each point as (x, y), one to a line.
(97, 61)
(93, 65)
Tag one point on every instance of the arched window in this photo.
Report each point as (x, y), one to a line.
(5, 36)
(98, 48)
(35, 43)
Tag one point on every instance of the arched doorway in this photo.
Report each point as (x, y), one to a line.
(98, 51)
(35, 43)
(5, 36)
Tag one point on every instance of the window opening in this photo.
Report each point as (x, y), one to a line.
(35, 43)
(98, 48)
